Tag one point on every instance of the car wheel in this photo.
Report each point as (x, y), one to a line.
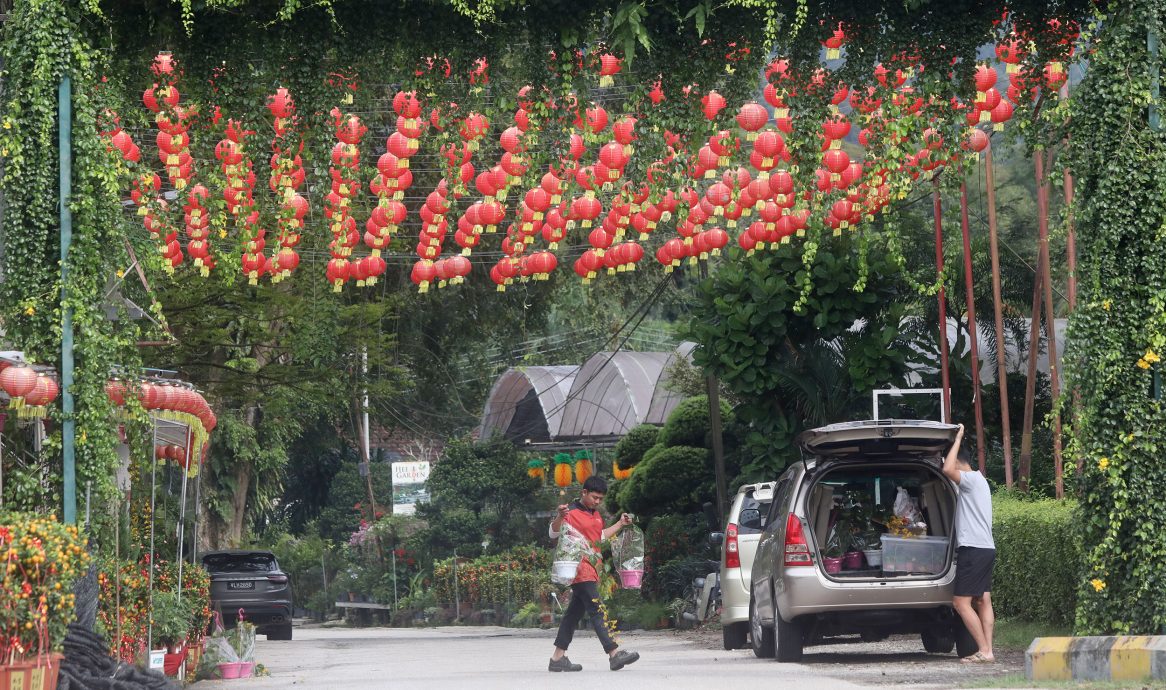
(965, 644)
(735, 635)
(938, 642)
(282, 632)
(788, 638)
(761, 637)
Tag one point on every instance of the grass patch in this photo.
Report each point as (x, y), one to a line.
(1018, 634)
(1018, 680)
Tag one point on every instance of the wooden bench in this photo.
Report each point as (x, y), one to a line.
(364, 613)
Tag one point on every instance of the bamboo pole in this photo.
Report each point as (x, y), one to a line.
(1042, 197)
(998, 309)
(943, 369)
(969, 288)
(1030, 381)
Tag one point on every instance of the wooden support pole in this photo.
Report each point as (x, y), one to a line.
(1042, 200)
(998, 309)
(1025, 469)
(944, 376)
(974, 352)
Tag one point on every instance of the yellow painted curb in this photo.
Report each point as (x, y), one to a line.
(1048, 659)
(1098, 658)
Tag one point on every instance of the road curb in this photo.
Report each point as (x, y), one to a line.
(1123, 657)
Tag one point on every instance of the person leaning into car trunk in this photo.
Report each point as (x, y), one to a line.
(972, 596)
(583, 515)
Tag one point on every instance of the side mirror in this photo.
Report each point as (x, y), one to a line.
(716, 538)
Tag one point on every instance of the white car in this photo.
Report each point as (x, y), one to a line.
(746, 521)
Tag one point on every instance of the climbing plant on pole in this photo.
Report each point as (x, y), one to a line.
(42, 41)
(1118, 331)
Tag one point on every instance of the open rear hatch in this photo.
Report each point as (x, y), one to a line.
(862, 470)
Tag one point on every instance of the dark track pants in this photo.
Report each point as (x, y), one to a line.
(584, 597)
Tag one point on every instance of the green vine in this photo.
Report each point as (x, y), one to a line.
(43, 41)
(1118, 332)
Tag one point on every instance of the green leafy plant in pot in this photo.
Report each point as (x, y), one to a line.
(171, 617)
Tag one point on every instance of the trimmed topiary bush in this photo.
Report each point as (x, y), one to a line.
(671, 480)
(1038, 559)
(688, 425)
(631, 448)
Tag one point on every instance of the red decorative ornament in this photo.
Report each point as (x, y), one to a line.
(712, 104)
(17, 382)
(609, 65)
(751, 118)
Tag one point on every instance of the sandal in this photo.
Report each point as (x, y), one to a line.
(977, 658)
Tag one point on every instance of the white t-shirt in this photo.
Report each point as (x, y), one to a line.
(973, 514)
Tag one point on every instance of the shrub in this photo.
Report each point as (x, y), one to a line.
(1038, 559)
(632, 447)
(41, 557)
(673, 480)
(688, 424)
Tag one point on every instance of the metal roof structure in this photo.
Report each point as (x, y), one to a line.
(601, 400)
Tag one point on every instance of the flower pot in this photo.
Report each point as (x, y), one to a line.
(173, 661)
(246, 669)
(32, 674)
(193, 656)
(852, 560)
(874, 557)
(229, 670)
(563, 572)
(631, 579)
(832, 565)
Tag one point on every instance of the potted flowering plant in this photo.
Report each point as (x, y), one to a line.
(39, 560)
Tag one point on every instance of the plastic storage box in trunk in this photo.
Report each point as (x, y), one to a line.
(914, 555)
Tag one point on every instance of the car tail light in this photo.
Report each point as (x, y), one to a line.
(278, 579)
(797, 551)
(732, 551)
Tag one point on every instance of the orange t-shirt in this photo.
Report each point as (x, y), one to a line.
(589, 523)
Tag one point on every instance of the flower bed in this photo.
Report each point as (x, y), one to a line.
(41, 558)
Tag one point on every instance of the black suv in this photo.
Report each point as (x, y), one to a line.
(251, 581)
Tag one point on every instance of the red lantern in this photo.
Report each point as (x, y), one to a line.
(977, 140)
(711, 104)
(985, 78)
(751, 118)
(18, 381)
(115, 390)
(423, 274)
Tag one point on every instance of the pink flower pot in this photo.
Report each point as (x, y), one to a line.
(631, 579)
(833, 565)
(852, 560)
(229, 670)
(246, 669)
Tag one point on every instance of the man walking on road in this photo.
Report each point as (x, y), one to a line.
(977, 550)
(583, 515)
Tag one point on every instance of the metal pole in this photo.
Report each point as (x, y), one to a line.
(68, 423)
(153, 494)
(998, 309)
(197, 498)
(181, 529)
(1042, 201)
(969, 286)
(714, 395)
(945, 382)
(457, 602)
(394, 578)
(1025, 469)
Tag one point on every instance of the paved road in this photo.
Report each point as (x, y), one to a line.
(490, 657)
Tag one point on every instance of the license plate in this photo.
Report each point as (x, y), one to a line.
(240, 585)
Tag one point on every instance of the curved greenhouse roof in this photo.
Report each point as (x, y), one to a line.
(605, 398)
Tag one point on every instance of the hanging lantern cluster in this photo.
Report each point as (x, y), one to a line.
(740, 173)
(29, 392)
(121, 141)
(176, 403)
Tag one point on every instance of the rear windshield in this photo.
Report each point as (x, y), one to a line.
(751, 519)
(240, 563)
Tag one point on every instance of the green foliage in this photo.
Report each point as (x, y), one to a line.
(1118, 330)
(1028, 532)
(171, 617)
(670, 539)
(649, 614)
(677, 479)
(689, 425)
(632, 447)
(347, 502)
(795, 367)
(305, 560)
(480, 492)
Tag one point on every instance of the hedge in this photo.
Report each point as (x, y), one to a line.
(631, 448)
(688, 424)
(1038, 559)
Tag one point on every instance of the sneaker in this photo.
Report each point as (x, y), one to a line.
(622, 659)
(562, 665)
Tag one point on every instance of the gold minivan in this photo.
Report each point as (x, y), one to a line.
(827, 565)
